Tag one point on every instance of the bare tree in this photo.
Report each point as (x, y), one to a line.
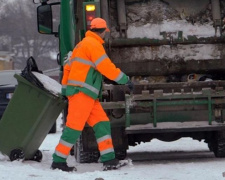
(19, 22)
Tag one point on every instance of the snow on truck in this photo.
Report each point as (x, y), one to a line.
(173, 50)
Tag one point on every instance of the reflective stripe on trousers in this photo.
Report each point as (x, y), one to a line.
(63, 149)
(105, 144)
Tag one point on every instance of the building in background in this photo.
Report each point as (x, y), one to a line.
(6, 60)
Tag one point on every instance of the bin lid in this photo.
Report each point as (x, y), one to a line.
(49, 84)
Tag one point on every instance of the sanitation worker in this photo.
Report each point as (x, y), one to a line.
(82, 84)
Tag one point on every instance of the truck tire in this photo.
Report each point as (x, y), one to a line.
(218, 144)
(121, 154)
(210, 146)
(84, 157)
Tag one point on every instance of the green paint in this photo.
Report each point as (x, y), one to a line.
(67, 28)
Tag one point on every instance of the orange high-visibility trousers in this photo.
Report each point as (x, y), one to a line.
(84, 109)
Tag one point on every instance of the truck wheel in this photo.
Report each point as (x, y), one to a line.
(210, 146)
(121, 155)
(218, 144)
(16, 154)
(84, 157)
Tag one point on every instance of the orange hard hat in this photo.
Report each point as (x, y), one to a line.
(99, 23)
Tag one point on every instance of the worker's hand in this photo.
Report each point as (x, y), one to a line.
(130, 85)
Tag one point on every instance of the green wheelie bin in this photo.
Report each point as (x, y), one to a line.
(29, 116)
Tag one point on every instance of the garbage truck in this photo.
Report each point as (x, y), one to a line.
(172, 50)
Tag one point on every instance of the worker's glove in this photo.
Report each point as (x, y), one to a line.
(130, 85)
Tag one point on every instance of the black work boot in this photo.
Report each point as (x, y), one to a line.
(62, 166)
(111, 164)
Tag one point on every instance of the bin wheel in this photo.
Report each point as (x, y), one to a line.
(37, 156)
(16, 154)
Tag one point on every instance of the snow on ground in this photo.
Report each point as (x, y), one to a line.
(151, 161)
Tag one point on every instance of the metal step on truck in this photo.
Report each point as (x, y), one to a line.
(173, 51)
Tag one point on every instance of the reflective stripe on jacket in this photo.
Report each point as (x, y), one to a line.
(84, 70)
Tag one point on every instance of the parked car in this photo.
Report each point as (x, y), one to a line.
(7, 86)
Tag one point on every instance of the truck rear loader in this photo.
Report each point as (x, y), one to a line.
(173, 51)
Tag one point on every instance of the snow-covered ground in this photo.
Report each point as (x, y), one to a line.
(184, 159)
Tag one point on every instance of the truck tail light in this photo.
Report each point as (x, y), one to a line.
(90, 12)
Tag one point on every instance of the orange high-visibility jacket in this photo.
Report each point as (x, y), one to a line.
(84, 70)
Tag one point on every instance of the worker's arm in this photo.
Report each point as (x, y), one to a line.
(105, 66)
